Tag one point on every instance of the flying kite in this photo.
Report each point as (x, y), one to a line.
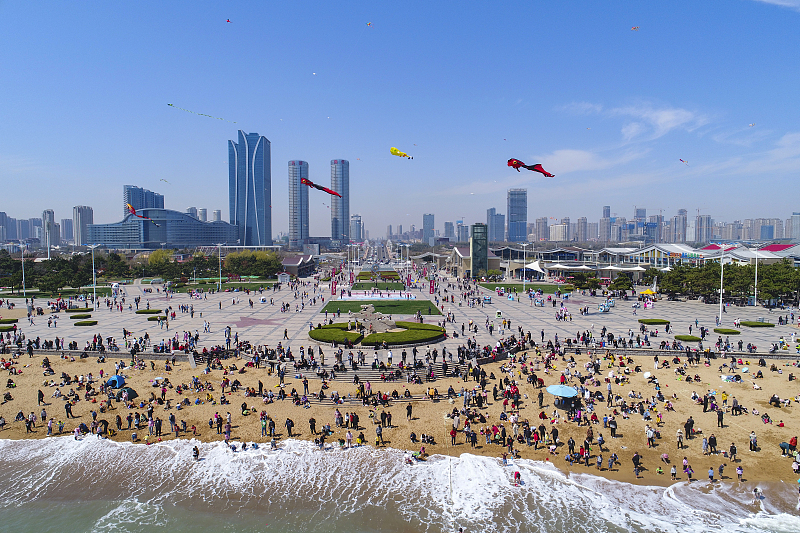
(132, 211)
(398, 153)
(165, 181)
(229, 20)
(753, 124)
(516, 164)
(684, 162)
(635, 28)
(310, 183)
(369, 24)
(201, 114)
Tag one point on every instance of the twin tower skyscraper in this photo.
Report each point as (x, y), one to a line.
(250, 194)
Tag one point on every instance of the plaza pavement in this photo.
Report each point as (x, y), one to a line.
(264, 324)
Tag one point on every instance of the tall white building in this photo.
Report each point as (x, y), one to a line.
(298, 204)
(82, 216)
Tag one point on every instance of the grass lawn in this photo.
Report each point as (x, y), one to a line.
(253, 286)
(367, 285)
(389, 307)
(511, 287)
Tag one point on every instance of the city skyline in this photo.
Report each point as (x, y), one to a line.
(653, 100)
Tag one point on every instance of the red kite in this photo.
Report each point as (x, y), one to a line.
(516, 164)
(310, 183)
(133, 212)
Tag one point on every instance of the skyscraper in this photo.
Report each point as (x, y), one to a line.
(449, 231)
(202, 214)
(542, 232)
(517, 215)
(82, 216)
(340, 207)
(569, 234)
(216, 215)
(356, 228)
(702, 231)
(191, 211)
(496, 224)
(140, 198)
(462, 231)
(479, 250)
(640, 214)
(583, 229)
(427, 228)
(250, 188)
(389, 231)
(67, 230)
(50, 236)
(606, 211)
(795, 225)
(605, 229)
(298, 204)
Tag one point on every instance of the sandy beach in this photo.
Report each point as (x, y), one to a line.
(428, 417)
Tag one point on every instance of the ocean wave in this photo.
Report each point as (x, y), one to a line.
(305, 489)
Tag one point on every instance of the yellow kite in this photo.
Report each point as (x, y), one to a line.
(398, 153)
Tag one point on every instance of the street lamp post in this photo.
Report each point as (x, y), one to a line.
(219, 254)
(94, 277)
(22, 258)
(755, 287)
(524, 263)
(721, 273)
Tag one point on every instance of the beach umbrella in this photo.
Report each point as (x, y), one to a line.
(562, 390)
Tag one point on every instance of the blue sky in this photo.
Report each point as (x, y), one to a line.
(460, 86)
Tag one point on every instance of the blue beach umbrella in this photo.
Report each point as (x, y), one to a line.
(562, 390)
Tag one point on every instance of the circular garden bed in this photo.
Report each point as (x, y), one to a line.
(85, 323)
(79, 310)
(727, 331)
(753, 324)
(78, 317)
(653, 321)
(148, 311)
(687, 338)
(335, 333)
(413, 333)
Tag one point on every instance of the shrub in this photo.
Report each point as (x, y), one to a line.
(8, 320)
(156, 318)
(751, 324)
(687, 338)
(148, 311)
(79, 310)
(78, 317)
(653, 321)
(727, 331)
(85, 323)
(414, 333)
(6, 328)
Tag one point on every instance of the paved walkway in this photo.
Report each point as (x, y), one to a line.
(265, 324)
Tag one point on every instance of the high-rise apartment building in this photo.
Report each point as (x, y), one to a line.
(356, 228)
(567, 223)
(792, 230)
(496, 224)
(191, 211)
(679, 226)
(140, 198)
(216, 215)
(298, 204)
(389, 231)
(605, 229)
(250, 188)
(462, 231)
(66, 230)
(50, 230)
(202, 214)
(517, 215)
(449, 231)
(82, 216)
(340, 207)
(427, 229)
(593, 229)
(640, 214)
(558, 232)
(582, 233)
(606, 211)
(703, 229)
(399, 229)
(542, 233)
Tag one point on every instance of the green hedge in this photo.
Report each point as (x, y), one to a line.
(335, 333)
(653, 321)
(8, 320)
(726, 331)
(78, 317)
(417, 325)
(148, 311)
(85, 323)
(687, 338)
(156, 318)
(409, 336)
(6, 328)
(79, 310)
(751, 324)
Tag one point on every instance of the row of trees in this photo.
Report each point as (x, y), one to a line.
(76, 271)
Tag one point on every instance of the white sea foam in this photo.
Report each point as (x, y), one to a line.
(344, 486)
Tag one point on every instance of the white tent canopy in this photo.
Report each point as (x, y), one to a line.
(535, 266)
(558, 266)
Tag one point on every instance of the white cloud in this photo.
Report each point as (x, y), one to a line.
(568, 160)
(653, 122)
(582, 108)
(792, 4)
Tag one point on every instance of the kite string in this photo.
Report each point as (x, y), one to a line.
(200, 114)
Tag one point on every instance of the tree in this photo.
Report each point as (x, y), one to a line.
(622, 283)
(159, 261)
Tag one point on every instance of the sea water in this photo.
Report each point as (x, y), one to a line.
(65, 485)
